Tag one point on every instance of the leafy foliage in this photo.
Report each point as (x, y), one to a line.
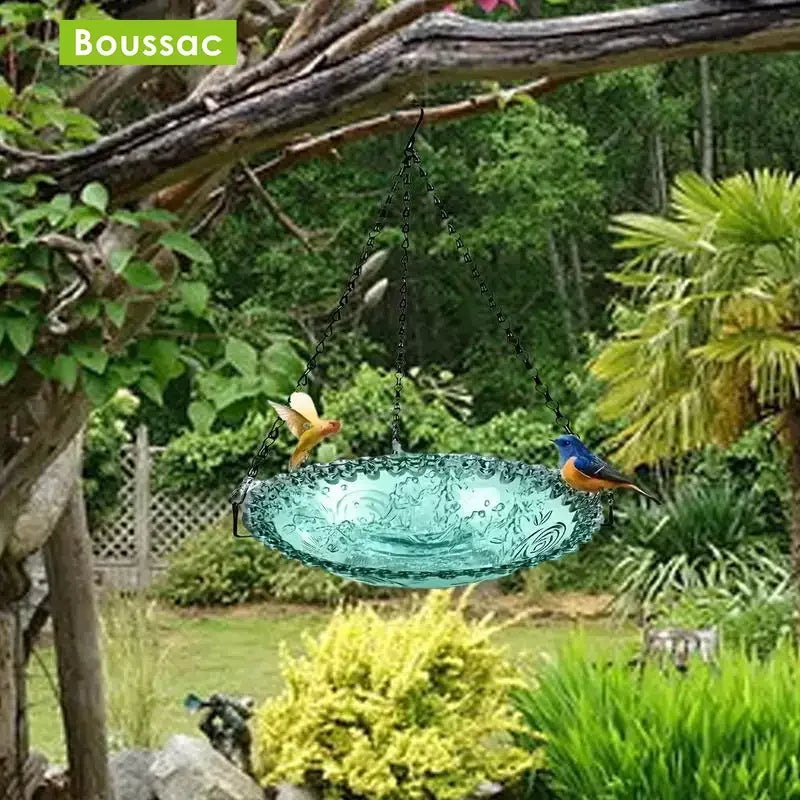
(731, 733)
(716, 347)
(390, 709)
(102, 468)
(212, 568)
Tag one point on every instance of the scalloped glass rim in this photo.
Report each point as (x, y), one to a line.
(421, 520)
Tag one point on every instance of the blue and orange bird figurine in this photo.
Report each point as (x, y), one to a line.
(583, 470)
(304, 422)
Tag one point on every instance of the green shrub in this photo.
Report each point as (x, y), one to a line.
(213, 568)
(732, 733)
(410, 708)
(697, 535)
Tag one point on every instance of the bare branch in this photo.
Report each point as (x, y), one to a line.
(313, 16)
(277, 212)
(392, 19)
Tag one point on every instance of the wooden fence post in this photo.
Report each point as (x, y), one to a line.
(142, 508)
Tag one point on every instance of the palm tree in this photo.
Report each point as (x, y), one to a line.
(712, 343)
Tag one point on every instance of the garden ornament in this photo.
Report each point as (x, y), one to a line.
(585, 471)
(415, 520)
(304, 422)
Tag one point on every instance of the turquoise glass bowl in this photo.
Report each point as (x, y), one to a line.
(422, 520)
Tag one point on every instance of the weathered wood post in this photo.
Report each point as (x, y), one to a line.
(142, 508)
(68, 561)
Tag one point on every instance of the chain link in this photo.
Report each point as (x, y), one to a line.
(512, 337)
(238, 496)
(400, 353)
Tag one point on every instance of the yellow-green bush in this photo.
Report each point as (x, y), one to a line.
(407, 708)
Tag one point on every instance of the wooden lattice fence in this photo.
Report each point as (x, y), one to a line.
(131, 546)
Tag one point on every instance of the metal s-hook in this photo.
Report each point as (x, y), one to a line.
(410, 144)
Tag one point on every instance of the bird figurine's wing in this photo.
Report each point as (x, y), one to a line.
(595, 467)
(304, 405)
(297, 423)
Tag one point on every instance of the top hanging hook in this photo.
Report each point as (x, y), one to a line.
(410, 144)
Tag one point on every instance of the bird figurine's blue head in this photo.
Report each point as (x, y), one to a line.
(570, 446)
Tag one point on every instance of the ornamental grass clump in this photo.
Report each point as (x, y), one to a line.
(724, 732)
(411, 708)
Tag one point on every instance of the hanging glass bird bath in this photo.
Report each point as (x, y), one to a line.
(423, 519)
(418, 520)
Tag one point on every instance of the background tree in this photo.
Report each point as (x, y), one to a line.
(710, 343)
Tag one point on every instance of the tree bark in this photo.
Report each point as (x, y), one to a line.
(68, 561)
(706, 122)
(8, 703)
(577, 275)
(561, 290)
(658, 172)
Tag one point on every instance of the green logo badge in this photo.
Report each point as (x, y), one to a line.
(115, 42)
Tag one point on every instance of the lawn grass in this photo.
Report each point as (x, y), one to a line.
(237, 653)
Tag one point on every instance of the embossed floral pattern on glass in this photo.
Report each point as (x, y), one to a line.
(421, 520)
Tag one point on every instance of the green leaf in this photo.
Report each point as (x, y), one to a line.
(202, 414)
(125, 218)
(140, 275)
(34, 214)
(87, 221)
(42, 364)
(92, 358)
(155, 215)
(242, 355)
(11, 125)
(195, 296)
(59, 207)
(115, 311)
(151, 389)
(20, 331)
(95, 195)
(65, 370)
(8, 368)
(89, 309)
(31, 279)
(119, 260)
(237, 389)
(183, 243)
(6, 94)
(98, 389)
(164, 358)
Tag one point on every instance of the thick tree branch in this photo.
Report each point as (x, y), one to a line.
(445, 48)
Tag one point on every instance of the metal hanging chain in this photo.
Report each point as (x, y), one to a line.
(400, 352)
(237, 498)
(502, 321)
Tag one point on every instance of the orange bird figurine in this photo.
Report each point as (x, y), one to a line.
(583, 470)
(304, 422)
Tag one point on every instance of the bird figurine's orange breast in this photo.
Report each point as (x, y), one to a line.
(577, 480)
